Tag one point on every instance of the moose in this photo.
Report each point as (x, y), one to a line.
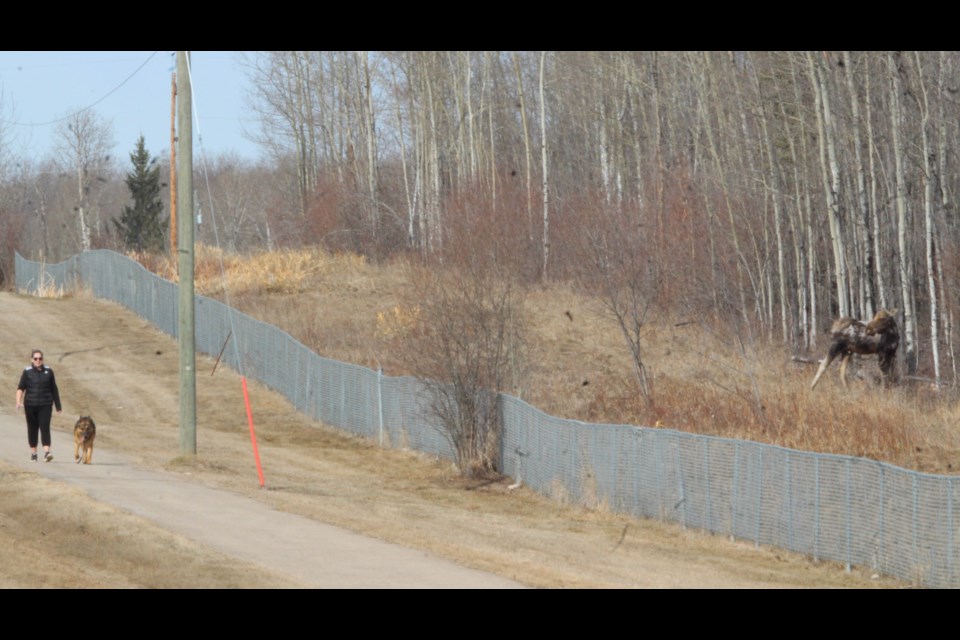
(850, 336)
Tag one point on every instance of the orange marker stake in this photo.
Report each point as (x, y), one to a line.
(253, 436)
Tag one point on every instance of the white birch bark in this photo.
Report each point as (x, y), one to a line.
(398, 116)
(368, 120)
(831, 180)
(864, 236)
(905, 255)
(945, 205)
(543, 160)
(719, 164)
(494, 150)
(878, 270)
(776, 196)
(84, 142)
(527, 153)
(928, 230)
(799, 221)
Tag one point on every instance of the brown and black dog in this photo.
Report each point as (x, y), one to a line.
(84, 433)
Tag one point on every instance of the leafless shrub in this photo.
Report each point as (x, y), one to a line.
(466, 349)
(625, 278)
(12, 226)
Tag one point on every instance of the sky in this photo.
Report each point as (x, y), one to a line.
(129, 89)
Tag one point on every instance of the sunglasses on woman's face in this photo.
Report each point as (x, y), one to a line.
(39, 359)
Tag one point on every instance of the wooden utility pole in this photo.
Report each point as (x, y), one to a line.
(188, 373)
(173, 165)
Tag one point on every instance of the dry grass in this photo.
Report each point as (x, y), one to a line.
(45, 287)
(128, 378)
(65, 540)
(288, 271)
(708, 380)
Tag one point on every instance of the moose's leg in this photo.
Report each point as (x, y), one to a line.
(836, 349)
(827, 359)
(843, 367)
(886, 365)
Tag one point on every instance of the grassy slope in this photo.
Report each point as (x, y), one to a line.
(714, 379)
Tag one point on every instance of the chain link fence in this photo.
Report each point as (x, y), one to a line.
(854, 511)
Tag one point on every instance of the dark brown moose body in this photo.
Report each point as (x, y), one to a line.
(849, 336)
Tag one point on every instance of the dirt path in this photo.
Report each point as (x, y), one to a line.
(306, 552)
(114, 366)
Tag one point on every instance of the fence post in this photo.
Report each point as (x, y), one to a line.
(380, 402)
(678, 462)
(816, 509)
(735, 492)
(788, 498)
(913, 522)
(950, 579)
(705, 442)
(846, 468)
(882, 524)
(756, 535)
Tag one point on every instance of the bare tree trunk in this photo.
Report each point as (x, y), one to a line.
(830, 170)
(878, 271)
(776, 195)
(403, 159)
(492, 133)
(722, 180)
(658, 148)
(82, 208)
(451, 81)
(805, 210)
(369, 128)
(527, 155)
(432, 227)
(543, 160)
(945, 206)
(84, 141)
(865, 237)
(906, 256)
(798, 222)
(306, 161)
(471, 142)
(927, 180)
(284, 86)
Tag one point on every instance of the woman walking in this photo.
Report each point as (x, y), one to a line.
(37, 394)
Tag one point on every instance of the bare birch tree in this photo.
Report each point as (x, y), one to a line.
(830, 170)
(84, 142)
(865, 237)
(946, 68)
(545, 182)
(776, 196)
(905, 258)
(527, 153)
(926, 178)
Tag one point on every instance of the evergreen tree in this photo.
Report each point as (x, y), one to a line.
(141, 225)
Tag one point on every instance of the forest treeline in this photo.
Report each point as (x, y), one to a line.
(777, 190)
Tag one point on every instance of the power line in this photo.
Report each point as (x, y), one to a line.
(88, 107)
